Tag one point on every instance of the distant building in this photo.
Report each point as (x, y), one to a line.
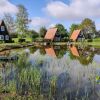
(77, 35)
(52, 35)
(4, 34)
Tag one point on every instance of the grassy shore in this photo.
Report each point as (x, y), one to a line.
(95, 44)
(8, 46)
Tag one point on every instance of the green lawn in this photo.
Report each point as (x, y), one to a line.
(27, 39)
(96, 40)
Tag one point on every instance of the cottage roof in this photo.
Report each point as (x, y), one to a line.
(50, 34)
(0, 22)
(74, 51)
(50, 51)
(75, 34)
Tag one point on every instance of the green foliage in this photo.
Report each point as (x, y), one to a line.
(34, 34)
(86, 23)
(10, 23)
(22, 21)
(21, 40)
(74, 27)
(61, 29)
(42, 31)
(89, 27)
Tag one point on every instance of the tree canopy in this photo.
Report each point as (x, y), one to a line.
(88, 25)
(74, 27)
(42, 31)
(22, 20)
(61, 29)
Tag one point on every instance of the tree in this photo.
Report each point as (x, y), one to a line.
(35, 34)
(74, 27)
(62, 32)
(88, 26)
(10, 23)
(42, 31)
(61, 29)
(22, 21)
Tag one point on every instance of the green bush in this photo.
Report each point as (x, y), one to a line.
(89, 40)
(21, 40)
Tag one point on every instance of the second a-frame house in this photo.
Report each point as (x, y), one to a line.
(77, 35)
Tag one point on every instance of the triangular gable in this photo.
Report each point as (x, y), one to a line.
(75, 35)
(1, 22)
(50, 34)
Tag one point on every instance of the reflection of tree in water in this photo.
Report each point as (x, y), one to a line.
(86, 60)
(58, 50)
(32, 49)
(85, 56)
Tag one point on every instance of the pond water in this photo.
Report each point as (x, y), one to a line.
(51, 73)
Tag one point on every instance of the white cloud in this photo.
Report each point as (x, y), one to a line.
(7, 7)
(75, 10)
(52, 25)
(38, 21)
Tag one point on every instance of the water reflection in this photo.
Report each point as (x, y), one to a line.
(52, 73)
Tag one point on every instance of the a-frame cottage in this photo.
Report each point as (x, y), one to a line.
(52, 35)
(4, 34)
(77, 35)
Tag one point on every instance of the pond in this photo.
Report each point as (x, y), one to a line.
(51, 73)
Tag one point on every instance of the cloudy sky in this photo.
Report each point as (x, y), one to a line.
(50, 12)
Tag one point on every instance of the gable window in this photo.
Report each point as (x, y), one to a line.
(2, 28)
(7, 37)
(1, 37)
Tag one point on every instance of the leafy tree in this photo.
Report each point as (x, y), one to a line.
(42, 31)
(74, 27)
(61, 29)
(10, 23)
(32, 34)
(35, 34)
(22, 21)
(88, 23)
(88, 26)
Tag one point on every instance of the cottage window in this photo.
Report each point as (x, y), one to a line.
(2, 28)
(7, 37)
(1, 37)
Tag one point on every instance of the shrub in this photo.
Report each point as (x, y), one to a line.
(21, 40)
(89, 40)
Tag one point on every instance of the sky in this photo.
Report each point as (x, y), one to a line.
(50, 12)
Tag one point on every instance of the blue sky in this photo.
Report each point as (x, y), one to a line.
(50, 12)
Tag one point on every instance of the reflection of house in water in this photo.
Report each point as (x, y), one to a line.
(84, 55)
(74, 51)
(77, 35)
(52, 35)
(50, 51)
(55, 51)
